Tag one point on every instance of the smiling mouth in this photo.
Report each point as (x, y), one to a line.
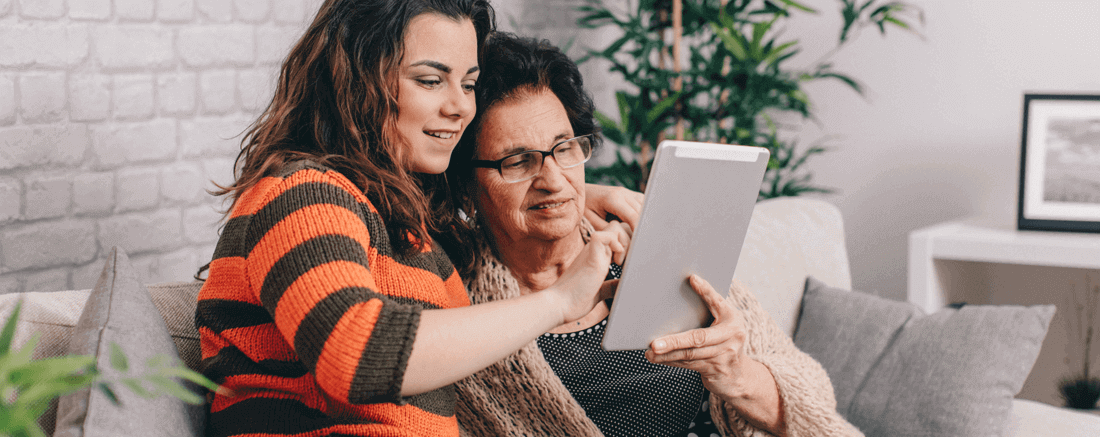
(440, 135)
(549, 205)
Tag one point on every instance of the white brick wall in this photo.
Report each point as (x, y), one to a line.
(115, 115)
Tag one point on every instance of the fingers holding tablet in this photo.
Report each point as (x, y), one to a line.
(716, 352)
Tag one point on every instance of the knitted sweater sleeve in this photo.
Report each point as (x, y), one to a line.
(310, 243)
(809, 406)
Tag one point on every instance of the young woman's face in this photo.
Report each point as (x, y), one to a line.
(435, 99)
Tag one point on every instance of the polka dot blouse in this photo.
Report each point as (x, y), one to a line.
(623, 393)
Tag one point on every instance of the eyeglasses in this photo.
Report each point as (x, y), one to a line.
(526, 165)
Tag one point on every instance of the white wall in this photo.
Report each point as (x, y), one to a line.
(938, 135)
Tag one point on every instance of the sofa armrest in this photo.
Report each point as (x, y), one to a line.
(50, 314)
(790, 238)
(1036, 419)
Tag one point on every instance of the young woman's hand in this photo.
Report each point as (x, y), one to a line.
(582, 285)
(622, 232)
(602, 201)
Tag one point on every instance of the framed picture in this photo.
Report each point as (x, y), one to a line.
(1060, 163)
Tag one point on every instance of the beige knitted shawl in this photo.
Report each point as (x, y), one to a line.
(521, 396)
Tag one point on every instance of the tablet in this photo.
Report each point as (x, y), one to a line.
(698, 203)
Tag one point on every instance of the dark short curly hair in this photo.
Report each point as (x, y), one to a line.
(513, 66)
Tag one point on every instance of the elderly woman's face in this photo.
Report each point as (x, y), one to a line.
(548, 206)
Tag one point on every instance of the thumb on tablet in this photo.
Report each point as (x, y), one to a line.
(709, 296)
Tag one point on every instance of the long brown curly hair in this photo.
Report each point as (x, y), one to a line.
(336, 103)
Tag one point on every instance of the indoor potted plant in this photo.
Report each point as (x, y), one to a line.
(732, 84)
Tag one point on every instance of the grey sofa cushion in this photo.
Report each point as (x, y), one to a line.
(176, 302)
(898, 372)
(121, 311)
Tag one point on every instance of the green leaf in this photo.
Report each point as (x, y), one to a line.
(190, 375)
(743, 133)
(108, 392)
(758, 32)
(800, 96)
(800, 6)
(8, 333)
(661, 107)
(46, 390)
(595, 18)
(896, 22)
(773, 55)
(31, 430)
(624, 108)
(21, 357)
(118, 358)
(609, 128)
(161, 360)
(843, 78)
(135, 386)
(614, 47)
(54, 368)
(173, 388)
(731, 42)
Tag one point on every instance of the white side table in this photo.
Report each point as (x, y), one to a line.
(975, 240)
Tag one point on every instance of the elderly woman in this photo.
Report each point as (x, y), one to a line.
(523, 163)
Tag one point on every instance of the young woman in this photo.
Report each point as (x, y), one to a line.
(330, 307)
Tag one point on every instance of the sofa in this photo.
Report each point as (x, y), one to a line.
(789, 241)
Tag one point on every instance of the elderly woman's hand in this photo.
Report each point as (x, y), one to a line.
(602, 201)
(718, 354)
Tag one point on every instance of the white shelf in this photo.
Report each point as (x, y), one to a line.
(964, 241)
(975, 240)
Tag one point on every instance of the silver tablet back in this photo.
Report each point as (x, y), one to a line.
(699, 201)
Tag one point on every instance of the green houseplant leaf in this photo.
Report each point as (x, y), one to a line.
(8, 333)
(118, 359)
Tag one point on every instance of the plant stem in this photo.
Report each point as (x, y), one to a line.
(1088, 344)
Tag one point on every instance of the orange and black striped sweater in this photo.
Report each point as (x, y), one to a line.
(308, 315)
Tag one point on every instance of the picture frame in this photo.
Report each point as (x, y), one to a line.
(1060, 163)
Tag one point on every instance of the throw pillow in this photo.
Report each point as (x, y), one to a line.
(176, 302)
(120, 310)
(899, 372)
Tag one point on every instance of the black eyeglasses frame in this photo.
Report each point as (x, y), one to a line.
(497, 164)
